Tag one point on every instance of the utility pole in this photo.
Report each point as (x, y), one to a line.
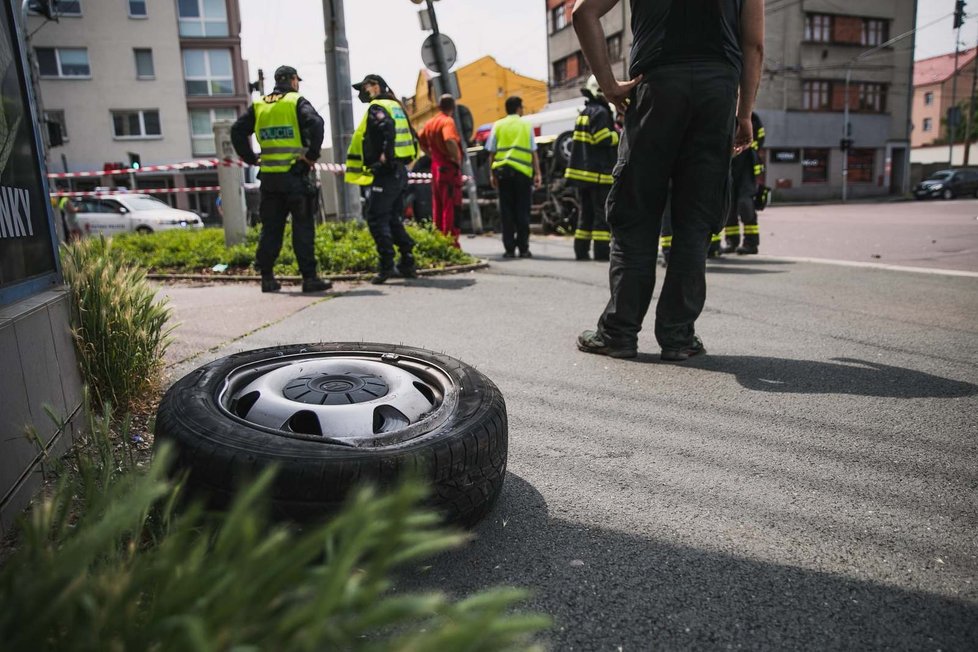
(340, 103)
(971, 106)
(448, 83)
(953, 111)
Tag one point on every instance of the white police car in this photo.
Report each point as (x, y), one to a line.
(128, 213)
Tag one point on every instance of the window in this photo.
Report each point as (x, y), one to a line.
(581, 64)
(202, 129)
(63, 62)
(874, 31)
(861, 165)
(872, 98)
(558, 18)
(144, 63)
(614, 47)
(57, 117)
(208, 72)
(928, 98)
(137, 9)
(202, 17)
(928, 124)
(136, 124)
(63, 8)
(815, 95)
(560, 71)
(814, 165)
(818, 28)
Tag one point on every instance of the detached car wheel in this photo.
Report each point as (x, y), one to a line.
(335, 416)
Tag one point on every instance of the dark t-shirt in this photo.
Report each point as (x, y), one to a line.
(685, 31)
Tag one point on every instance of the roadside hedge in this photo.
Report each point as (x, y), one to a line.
(341, 248)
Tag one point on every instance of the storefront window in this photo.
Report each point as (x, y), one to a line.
(815, 165)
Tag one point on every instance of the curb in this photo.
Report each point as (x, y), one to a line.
(438, 271)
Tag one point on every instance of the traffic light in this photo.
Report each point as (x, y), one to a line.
(959, 13)
(845, 144)
(135, 162)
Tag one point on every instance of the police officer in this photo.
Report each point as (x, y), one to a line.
(290, 133)
(593, 155)
(382, 146)
(745, 170)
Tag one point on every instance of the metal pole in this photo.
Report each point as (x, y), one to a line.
(340, 103)
(971, 109)
(449, 85)
(954, 99)
(845, 136)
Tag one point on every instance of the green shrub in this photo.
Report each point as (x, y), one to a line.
(119, 327)
(340, 248)
(107, 563)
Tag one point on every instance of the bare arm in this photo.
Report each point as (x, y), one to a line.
(587, 24)
(537, 177)
(752, 45)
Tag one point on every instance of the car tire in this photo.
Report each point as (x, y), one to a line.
(143, 230)
(947, 194)
(562, 149)
(461, 456)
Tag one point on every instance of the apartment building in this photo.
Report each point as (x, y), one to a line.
(140, 81)
(810, 45)
(934, 83)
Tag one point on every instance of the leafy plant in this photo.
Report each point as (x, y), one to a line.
(106, 562)
(340, 248)
(119, 327)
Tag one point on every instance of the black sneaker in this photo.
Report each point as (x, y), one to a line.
(380, 278)
(509, 254)
(314, 284)
(269, 284)
(592, 342)
(685, 353)
(526, 254)
(746, 249)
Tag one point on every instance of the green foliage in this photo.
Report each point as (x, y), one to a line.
(341, 248)
(119, 327)
(106, 562)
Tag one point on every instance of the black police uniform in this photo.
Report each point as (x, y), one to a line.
(384, 209)
(284, 193)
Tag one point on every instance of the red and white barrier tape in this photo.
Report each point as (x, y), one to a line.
(137, 191)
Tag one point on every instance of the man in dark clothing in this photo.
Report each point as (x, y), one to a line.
(745, 170)
(682, 122)
(381, 147)
(593, 153)
(290, 133)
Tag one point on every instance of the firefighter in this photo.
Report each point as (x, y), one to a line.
(382, 146)
(746, 170)
(290, 133)
(593, 155)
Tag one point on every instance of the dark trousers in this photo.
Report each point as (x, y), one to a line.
(275, 207)
(742, 211)
(679, 128)
(515, 196)
(385, 218)
(593, 224)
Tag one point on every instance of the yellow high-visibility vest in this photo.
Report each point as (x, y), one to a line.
(405, 148)
(277, 130)
(514, 144)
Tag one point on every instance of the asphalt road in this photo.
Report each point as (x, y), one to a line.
(811, 483)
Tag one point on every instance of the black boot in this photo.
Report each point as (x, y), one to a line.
(314, 284)
(269, 284)
(582, 249)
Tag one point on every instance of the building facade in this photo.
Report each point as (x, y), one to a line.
(809, 47)
(935, 91)
(140, 82)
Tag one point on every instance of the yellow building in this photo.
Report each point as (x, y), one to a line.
(484, 85)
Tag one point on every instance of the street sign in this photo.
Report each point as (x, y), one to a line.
(428, 52)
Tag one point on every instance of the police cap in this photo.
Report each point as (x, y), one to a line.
(285, 73)
(372, 79)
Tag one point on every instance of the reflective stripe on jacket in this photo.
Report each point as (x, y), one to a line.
(277, 130)
(594, 148)
(514, 144)
(405, 148)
